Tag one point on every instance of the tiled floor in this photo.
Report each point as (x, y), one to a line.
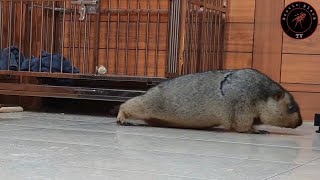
(58, 146)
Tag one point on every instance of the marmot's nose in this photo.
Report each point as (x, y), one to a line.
(299, 122)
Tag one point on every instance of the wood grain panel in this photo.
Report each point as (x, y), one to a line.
(239, 37)
(12, 27)
(153, 66)
(123, 17)
(80, 59)
(309, 104)
(310, 45)
(300, 69)
(153, 5)
(268, 37)
(241, 11)
(145, 67)
(237, 60)
(301, 87)
(143, 4)
(153, 42)
(29, 39)
(133, 17)
(314, 3)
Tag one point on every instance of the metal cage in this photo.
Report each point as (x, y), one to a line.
(106, 50)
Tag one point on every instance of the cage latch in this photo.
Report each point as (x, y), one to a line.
(86, 7)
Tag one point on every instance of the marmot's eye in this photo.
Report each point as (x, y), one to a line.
(292, 109)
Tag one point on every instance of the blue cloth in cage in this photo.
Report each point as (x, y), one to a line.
(45, 64)
(13, 62)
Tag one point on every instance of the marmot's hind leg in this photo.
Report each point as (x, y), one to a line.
(160, 123)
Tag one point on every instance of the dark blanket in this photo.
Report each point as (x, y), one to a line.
(9, 58)
(13, 62)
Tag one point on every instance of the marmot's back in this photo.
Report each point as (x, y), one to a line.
(215, 88)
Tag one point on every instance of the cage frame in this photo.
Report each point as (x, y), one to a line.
(23, 83)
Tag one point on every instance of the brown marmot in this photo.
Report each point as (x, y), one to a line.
(234, 99)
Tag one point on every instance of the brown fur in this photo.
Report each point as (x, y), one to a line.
(237, 100)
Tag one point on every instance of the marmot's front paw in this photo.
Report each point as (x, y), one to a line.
(254, 131)
(260, 132)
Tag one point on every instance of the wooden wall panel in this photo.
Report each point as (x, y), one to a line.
(241, 11)
(310, 45)
(153, 18)
(239, 37)
(292, 62)
(30, 31)
(309, 104)
(307, 96)
(142, 63)
(117, 31)
(314, 3)
(143, 4)
(294, 87)
(298, 68)
(268, 37)
(80, 59)
(155, 62)
(237, 60)
(122, 43)
(239, 34)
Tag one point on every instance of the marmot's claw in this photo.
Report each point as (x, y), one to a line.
(262, 132)
(124, 123)
(254, 131)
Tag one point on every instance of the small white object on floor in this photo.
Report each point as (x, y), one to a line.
(11, 109)
(102, 70)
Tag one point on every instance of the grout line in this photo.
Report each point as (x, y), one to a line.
(293, 168)
(297, 83)
(297, 53)
(240, 52)
(254, 28)
(281, 53)
(305, 92)
(239, 22)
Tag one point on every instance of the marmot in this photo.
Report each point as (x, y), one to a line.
(235, 99)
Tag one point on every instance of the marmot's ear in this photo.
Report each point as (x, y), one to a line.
(278, 95)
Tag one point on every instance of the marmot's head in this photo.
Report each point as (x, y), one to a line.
(280, 110)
